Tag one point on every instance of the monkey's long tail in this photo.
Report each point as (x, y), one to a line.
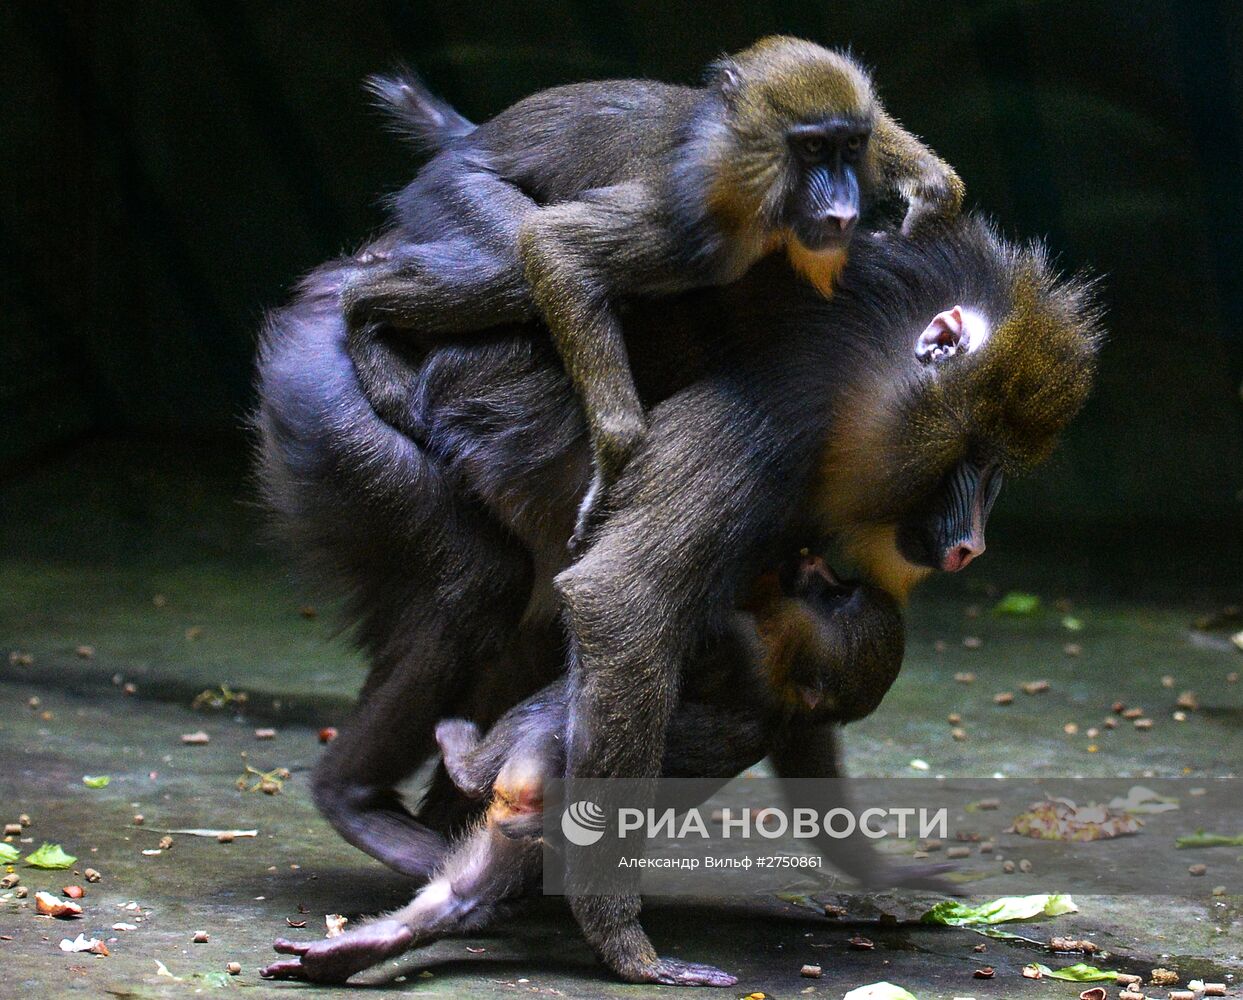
(426, 121)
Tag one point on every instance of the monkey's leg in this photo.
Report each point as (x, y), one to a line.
(578, 257)
(385, 741)
(812, 752)
(484, 870)
(708, 485)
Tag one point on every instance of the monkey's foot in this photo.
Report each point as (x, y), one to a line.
(926, 878)
(672, 972)
(335, 959)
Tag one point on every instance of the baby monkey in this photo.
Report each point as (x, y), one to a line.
(808, 649)
(595, 192)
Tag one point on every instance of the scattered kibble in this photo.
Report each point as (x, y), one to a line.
(860, 943)
(1073, 944)
(200, 937)
(1198, 870)
(33, 702)
(811, 972)
(954, 719)
(988, 804)
(9, 880)
(1008, 867)
(1025, 866)
(85, 652)
(12, 829)
(1092, 732)
(1035, 687)
(24, 819)
(224, 837)
(987, 847)
(1003, 698)
(138, 819)
(129, 688)
(1180, 716)
(980, 948)
(195, 739)
(1126, 979)
(265, 734)
(1072, 649)
(972, 642)
(1071, 728)
(91, 875)
(987, 972)
(1110, 723)
(1094, 993)
(931, 844)
(20, 658)
(965, 677)
(165, 843)
(308, 612)
(194, 632)
(1232, 677)
(1143, 724)
(1163, 977)
(73, 891)
(958, 734)
(234, 968)
(1188, 700)
(1167, 681)
(958, 852)
(1132, 713)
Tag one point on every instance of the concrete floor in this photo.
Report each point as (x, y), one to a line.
(89, 541)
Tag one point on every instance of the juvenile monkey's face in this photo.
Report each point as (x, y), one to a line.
(802, 119)
(824, 162)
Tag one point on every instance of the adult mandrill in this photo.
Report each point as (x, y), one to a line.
(883, 418)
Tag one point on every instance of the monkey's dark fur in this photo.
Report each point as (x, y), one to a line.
(824, 654)
(604, 190)
(811, 417)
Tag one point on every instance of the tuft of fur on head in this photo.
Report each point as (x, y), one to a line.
(776, 83)
(903, 424)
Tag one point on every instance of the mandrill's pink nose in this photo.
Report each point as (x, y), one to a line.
(960, 555)
(845, 219)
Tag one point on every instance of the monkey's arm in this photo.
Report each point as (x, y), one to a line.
(579, 257)
(932, 189)
(710, 485)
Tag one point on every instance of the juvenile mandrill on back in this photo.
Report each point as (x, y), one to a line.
(585, 194)
(809, 650)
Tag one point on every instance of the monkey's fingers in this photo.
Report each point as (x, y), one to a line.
(926, 878)
(284, 946)
(288, 968)
(672, 972)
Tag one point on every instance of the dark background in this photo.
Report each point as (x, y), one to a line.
(171, 168)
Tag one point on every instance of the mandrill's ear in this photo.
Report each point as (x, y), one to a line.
(950, 332)
(725, 76)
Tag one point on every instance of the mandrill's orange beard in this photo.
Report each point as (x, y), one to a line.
(874, 549)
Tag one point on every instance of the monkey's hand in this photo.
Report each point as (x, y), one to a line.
(934, 202)
(675, 972)
(335, 959)
(614, 440)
